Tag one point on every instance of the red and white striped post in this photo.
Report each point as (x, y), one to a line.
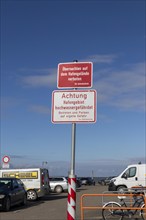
(71, 203)
(71, 206)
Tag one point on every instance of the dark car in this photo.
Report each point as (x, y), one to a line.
(12, 192)
(78, 183)
(105, 181)
(87, 181)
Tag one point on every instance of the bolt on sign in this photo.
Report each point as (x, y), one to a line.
(74, 106)
(75, 75)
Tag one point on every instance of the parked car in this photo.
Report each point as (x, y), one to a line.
(12, 192)
(58, 184)
(105, 181)
(36, 180)
(87, 181)
(78, 183)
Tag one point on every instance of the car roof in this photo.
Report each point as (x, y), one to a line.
(86, 178)
(57, 177)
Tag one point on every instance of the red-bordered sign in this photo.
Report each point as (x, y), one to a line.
(75, 75)
(74, 106)
(6, 159)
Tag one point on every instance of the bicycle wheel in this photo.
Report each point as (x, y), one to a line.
(110, 213)
(142, 212)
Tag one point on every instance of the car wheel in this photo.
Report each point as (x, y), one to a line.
(58, 189)
(7, 204)
(121, 189)
(31, 195)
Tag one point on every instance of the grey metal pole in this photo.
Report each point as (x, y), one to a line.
(72, 170)
(71, 208)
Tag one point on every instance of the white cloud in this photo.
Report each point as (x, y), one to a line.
(122, 88)
(101, 58)
(45, 78)
(48, 77)
(39, 109)
(99, 167)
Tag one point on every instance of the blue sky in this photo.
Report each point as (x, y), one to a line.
(38, 35)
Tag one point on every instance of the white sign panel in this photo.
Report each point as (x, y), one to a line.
(74, 106)
(5, 165)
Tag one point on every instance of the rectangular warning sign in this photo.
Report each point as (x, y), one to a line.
(75, 75)
(74, 106)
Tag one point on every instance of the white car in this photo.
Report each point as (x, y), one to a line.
(58, 184)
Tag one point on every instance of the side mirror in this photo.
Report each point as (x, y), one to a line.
(124, 176)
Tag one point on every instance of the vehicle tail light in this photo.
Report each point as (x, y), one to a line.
(43, 179)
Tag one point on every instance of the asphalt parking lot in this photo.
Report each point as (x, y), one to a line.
(54, 207)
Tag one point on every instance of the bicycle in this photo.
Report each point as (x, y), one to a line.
(114, 211)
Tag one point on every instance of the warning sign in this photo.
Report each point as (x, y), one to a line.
(74, 106)
(75, 75)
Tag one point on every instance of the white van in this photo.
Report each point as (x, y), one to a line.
(35, 180)
(133, 175)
